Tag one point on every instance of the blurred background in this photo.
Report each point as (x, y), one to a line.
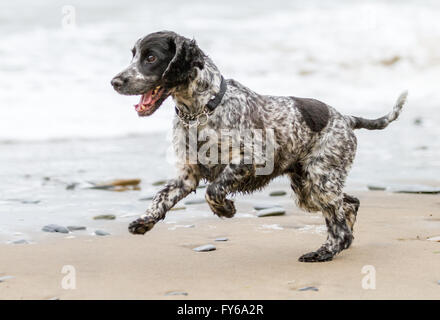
(60, 119)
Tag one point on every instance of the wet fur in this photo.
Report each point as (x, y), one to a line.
(315, 145)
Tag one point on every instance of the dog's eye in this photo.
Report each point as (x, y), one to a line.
(151, 59)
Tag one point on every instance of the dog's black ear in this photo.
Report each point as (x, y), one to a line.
(187, 57)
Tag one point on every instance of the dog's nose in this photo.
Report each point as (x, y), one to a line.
(118, 81)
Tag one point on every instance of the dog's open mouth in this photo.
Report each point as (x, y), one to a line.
(150, 101)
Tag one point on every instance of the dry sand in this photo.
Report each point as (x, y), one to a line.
(258, 262)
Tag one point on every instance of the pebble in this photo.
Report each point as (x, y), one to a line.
(205, 248)
(277, 193)
(101, 233)
(376, 188)
(276, 211)
(55, 228)
(159, 182)
(105, 217)
(30, 201)
(417, 189)
(24, 201)
(308, 289)
(99, 187)
(434, 239)
(125, 182)
(4, 278)
(261, 206)
(72, 186)
(20, 241)
(390, 61)
(176, 293)
(118, 185)
(418, 121)
(195, 201)
(221, 239)
(76, 228)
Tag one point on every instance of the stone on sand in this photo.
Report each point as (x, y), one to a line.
(205, 248)
(277, 193)
(308, 289)
(416, 189)
(20, 241)
(275, 211)
(55, 228)
(176, 293)
(101, 233)
(105, 217)
(76, 228)
(159, 182)
(118, 185)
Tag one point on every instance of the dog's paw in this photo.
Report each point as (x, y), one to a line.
(225, 210)
(320, 255)
(141, 225)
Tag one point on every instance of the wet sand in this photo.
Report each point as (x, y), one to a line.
(259, 260)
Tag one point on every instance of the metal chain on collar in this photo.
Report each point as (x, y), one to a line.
(191, 120)
(202, 118)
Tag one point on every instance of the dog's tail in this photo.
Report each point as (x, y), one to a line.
(380, 123)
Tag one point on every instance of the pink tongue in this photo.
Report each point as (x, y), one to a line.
(145, 100)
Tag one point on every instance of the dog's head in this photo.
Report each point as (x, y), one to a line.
(162, 61)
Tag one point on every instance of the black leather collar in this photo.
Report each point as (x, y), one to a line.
(215, 101)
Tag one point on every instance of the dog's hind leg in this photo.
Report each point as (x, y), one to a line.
(166, 198)
(351, 206)
(315, 193)
(319, 186)
(339, 234)
(227, 182)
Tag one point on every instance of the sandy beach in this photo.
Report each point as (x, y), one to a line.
(259, 260)
(65, 134)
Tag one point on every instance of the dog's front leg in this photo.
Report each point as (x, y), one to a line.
(229, 181)
(165, 199)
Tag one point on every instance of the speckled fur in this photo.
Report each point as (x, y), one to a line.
(314, 146)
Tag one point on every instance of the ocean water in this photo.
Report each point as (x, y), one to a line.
(58, 112)
(55, 78)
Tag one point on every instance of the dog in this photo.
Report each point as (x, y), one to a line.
(314, 145)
